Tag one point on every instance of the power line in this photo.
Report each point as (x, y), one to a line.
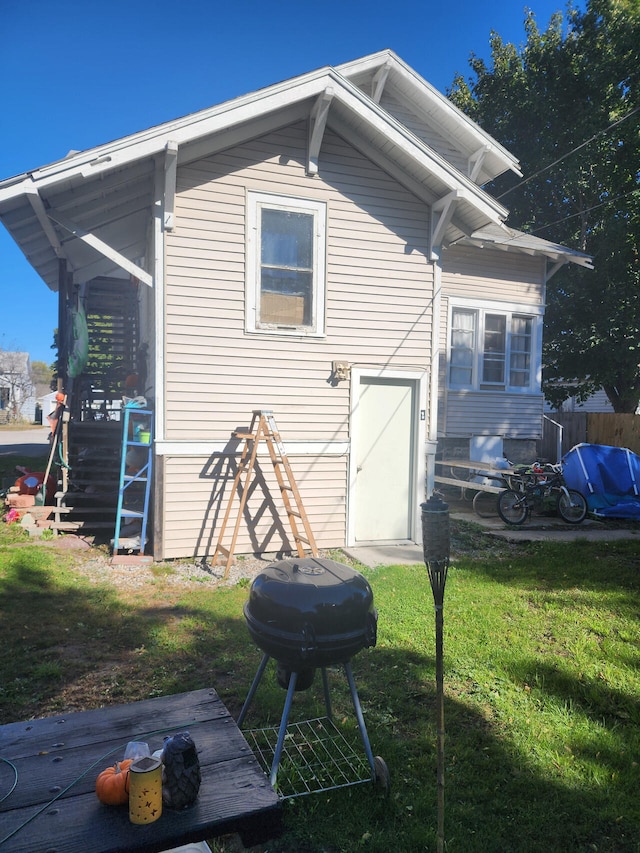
(586, 210)
(569, 153)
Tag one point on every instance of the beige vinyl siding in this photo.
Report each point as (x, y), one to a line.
(377, 296)
(379, 287)
(199, 497)
(511, 277)
(481, 413)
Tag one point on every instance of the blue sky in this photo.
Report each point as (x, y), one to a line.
(78, 73)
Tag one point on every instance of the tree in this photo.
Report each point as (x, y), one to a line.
(42, 375)
(16, 384)
(567, 104)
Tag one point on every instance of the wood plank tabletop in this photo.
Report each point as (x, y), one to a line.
(482, 468)
(54, 808)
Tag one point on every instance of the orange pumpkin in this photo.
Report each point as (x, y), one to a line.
(111, 784)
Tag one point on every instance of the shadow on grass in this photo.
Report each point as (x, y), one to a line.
(588, 695)
(68, 645)
(496, 799)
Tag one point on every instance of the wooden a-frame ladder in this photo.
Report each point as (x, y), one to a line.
(263, 426)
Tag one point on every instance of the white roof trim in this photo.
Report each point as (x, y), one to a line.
(508, 239)
(476, 137)
(122, 152)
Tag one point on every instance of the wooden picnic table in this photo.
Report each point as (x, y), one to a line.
(54, 808)
(481, 469)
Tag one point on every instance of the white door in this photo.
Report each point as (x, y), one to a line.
(384, 478)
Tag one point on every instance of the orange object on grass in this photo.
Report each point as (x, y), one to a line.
(31, 484)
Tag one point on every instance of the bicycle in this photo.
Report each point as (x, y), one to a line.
(541, 488)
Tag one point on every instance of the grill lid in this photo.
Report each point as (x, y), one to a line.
(311, 612)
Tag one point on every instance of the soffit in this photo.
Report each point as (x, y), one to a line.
(508, 239)
(114, 207)
(432, 107)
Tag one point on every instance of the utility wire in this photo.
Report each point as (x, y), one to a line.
(586, 210)
(569, 153)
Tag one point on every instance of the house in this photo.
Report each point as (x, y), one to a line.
(597, 402)
(17, 391)
(322, 248)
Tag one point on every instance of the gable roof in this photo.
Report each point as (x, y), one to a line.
(92, 208)
(485, 158)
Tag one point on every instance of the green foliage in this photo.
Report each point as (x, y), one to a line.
(567, 104)
(41, 373)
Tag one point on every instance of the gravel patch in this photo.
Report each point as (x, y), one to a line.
(198, 573)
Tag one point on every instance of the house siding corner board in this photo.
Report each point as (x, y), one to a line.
(198, 492)
(379, 288)
(508, 415)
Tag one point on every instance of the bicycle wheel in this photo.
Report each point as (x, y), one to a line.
(485, 504)
(512, 506)
(464, 475)
(572, 506)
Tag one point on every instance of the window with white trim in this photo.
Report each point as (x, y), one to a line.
(492, 350)
(285, 265)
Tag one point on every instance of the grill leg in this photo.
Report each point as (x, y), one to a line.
(360, 718)
(252, 690)
(283, 728)
(327, 698)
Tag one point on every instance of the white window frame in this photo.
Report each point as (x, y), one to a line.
(256, 202)
(481, 308)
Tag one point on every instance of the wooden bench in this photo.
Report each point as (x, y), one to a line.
(54, 808)
(465, 475)
(464, 472)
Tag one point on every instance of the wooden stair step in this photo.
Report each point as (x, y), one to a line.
(81, 525)
(80, 510)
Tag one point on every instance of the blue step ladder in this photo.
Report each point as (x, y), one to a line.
(134, 488)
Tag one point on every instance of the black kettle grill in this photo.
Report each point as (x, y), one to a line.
(311, 613)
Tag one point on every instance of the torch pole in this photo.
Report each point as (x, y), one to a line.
(436, 545)
(440, 720)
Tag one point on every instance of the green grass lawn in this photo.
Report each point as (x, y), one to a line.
(542, 688)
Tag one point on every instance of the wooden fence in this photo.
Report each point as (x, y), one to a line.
(589, 428)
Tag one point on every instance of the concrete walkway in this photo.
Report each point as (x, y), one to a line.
(25, 442)
(539, 529)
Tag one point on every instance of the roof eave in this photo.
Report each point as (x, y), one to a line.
(477, 138)
(118, 154)
(508, 239)
(426, 172)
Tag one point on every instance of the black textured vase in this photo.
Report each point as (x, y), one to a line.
(181, 771)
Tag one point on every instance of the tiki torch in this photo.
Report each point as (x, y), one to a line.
(435, 543)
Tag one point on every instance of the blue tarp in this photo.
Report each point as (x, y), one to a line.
(608, 477)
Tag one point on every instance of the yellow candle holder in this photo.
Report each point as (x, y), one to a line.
(145, 790)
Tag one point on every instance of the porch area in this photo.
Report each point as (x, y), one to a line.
(102, 364)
